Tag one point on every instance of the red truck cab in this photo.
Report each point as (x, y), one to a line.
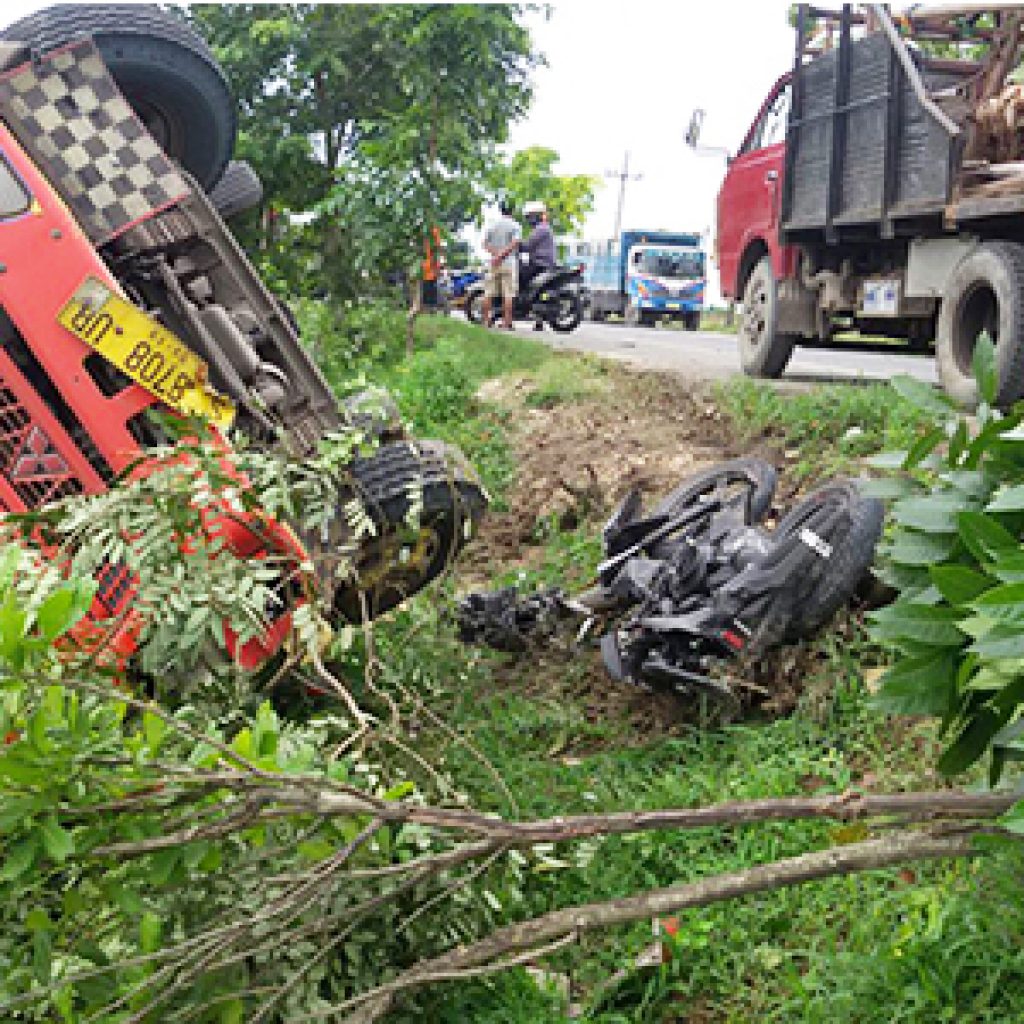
(750, 198)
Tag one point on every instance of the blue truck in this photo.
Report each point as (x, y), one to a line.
(645, 276)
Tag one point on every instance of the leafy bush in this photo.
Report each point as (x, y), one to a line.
(955, 556)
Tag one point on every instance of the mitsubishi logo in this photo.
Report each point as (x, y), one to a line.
(37, 459)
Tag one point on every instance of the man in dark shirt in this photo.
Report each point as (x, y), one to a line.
(539, 246)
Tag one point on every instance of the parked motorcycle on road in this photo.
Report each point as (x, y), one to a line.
(553, 297)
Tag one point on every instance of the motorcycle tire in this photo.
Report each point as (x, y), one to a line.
(474, 306)
(164, 69)
(852, 553)
(758, 476)
(570, 312)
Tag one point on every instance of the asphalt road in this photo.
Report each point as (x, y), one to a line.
(703, 355)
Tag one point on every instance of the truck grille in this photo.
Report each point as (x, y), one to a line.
(29, 460)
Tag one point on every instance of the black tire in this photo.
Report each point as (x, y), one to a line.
(387, 482)
(570, 312)
(647, 319)
(758, 476)
(984, 292)
(238, 190)
(162, 66)
(474, 306)
(764, 352)
(853, 551)
(692, 321)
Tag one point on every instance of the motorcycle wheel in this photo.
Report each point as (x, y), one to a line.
(726, 482)
(570, 312)
(474, 306)
(853, 551)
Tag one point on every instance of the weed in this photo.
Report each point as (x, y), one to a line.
(831, 427)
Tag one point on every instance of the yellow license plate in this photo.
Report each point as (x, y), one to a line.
(144, 350)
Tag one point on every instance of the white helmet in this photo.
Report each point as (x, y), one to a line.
(534, 208)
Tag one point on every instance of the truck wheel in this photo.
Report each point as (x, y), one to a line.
(691, 321)
(162, 66)
(984, 293)
(764, 352)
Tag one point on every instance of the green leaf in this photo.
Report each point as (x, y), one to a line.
(923, 447)
(887, 460)
(42, 956)
(923, 396)
(154, 728)
(957, 444)
(399, 791)
(149, 932)
(1003, 602)
(232, 1012)
(983, 365)
(910, 547)
(971, 743)
(925, 624)
(888, 488)
(957, 583)
(57, 841)
(918, 686)
(37, 920)
(1013, 819)
(1005, 641)
(1007, 499)
(1008, 567)
(62, 609)
(935, 513)
(984, 536)
(12, 632)
(19, 859)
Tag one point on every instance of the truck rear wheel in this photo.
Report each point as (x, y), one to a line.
(985, 292)
(764, 352)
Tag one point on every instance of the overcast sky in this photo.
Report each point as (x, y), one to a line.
(625, 75)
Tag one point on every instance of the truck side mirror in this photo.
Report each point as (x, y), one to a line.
(694, 129)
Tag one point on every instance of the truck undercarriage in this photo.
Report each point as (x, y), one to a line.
(124, 293)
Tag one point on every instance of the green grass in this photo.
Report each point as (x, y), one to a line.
(870, 949)
(831, 427)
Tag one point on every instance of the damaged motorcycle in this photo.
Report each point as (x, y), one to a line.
(699, 579)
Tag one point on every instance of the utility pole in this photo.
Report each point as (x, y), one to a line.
(623, 177)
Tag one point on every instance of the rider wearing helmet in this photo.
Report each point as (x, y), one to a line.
(539, 245)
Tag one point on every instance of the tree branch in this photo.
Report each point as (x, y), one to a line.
(870, 855)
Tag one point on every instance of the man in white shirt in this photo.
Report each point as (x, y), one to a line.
(501, 240)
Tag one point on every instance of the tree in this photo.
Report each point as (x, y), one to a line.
(529, 175)
(391, 112)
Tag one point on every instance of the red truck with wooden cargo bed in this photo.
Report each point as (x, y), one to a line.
(880, 190)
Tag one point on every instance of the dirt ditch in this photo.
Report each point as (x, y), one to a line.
(576, 459)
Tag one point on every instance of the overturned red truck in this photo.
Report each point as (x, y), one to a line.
(122, 293)
(880, 190)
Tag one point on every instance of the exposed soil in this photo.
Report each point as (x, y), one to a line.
(576, 460)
